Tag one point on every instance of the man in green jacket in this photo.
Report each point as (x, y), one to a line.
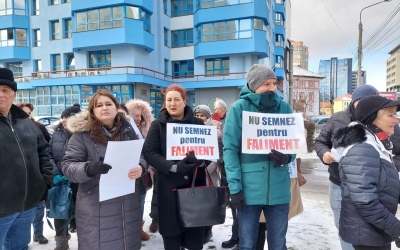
(257, 181)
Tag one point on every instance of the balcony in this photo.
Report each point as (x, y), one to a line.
(280, 73)
(83, 5)
(132, 33)
(279, 29)
(280, 8)
(14, 21)
(230, 12)
(15, 53)
(279, 51)
(257, 44)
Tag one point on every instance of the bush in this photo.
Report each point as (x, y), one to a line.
(310, 128)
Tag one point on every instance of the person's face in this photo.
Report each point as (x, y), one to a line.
(137, 117)
(219, 111)
(7, 97)
(64, 121)
(175, 104)
(28, 111)
(105, 110)
(267, 86)
(386, 121)
(201, 116)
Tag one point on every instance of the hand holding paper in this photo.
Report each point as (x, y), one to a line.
(135, 173)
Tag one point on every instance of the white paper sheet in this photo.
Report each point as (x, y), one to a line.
(121, 156)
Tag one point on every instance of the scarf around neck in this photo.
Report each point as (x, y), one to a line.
(382, 136)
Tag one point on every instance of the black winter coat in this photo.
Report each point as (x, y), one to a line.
(25, 165)
(58, 147)
(370, 189)
(154, 151)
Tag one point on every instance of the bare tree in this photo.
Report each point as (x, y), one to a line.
(303, 99)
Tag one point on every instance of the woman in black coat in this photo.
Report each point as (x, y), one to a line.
(173, 174)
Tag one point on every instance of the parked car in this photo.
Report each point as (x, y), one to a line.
(46, 120)
(320, 121)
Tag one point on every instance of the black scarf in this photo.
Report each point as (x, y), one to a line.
(382, 136)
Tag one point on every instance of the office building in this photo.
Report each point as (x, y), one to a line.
(354, 75)
(337, 80)
(300, 54)
(62, 51)
(393, 71)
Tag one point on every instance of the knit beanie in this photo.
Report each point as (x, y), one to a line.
(7, 78)
(258, 74)
(70, 111)
(204, 109)
(367, 109)
(363, 91)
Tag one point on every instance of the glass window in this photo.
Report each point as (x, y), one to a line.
(66, 1)
(183, 68)
(117, 15)
(165, 37)
(165, 7)
(278, 62)
(146, 21)
(93, 19)
(16, 68)
(217, 66)
(132, 12)
(35, 7)
(258, 24)
(37, 65)
(279, 1)
(81, 21)
(100, 59)
(19, 7)
(21, 37)
(36, 38)
(55, 30)
(278, 19)
(13, 37)
(5, 7)
(55, 62)
(279, 40)
(166, 66)
(67, 28)
(53, 2)
(226, 30)
(181, 7)
(105, 18)
(69, 61)
(181, 38)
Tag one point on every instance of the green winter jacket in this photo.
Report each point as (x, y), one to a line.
(260, 181)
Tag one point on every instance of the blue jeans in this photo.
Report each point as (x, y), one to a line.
(15, 230)
(335, 199)
(276, 221)
(38, 220)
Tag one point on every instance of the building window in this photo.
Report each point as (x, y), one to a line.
(53, 2)
(258, 24)
(216, 66)
(190, 99)
(278, 62)
(35, 7)
(165, 6)
(66, 1)
(183, 68)
(156, 101)
(12, 7)
(165, 37)
(36, 38)
(311, 85)
(69, 61)
(166, 62)
(181, 7)
(311, 97)
(37, 65)
(43, 101)
(55, 30)
(15, 67)
(67, 28)
(204, 4)
(22, 96)
(279, 19)
(139, 14)
(227, 30)
(13, 37)
(100, 59)
(55, 62)
(181, 38)
(279, 40)
(279, 1)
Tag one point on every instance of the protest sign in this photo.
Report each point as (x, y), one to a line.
(262, 132)
(182, 138)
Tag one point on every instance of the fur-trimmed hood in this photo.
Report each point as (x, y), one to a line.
(354, 133)
(137, 104)
(79, 122)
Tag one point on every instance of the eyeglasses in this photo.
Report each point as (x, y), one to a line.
(6, 91)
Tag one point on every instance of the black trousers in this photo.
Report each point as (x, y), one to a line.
(191, 238)
(359, 247)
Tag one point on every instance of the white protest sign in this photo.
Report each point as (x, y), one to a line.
(262, 132)
(182, 138)
(293, 169)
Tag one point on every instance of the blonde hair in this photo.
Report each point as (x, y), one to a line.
(383, 111)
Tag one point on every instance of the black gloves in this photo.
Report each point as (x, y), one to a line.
(237, 201)
(278, 158)
(192, 158)
(97, 167)
(188, 163)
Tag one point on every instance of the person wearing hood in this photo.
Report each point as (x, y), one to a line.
(173, 174)
(323, 146)
(257, 182)
(58, 146)
(368, 178)
(140, 111)
(114, 223)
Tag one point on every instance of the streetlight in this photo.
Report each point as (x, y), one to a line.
(360, 43)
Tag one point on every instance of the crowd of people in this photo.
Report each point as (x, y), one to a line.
(360, 145)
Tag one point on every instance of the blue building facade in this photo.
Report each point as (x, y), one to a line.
(338, 76)
(63, 51)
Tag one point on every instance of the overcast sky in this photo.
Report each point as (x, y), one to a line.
(313, 24)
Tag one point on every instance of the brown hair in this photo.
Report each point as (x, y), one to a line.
(25, 104)
(174, 87)
(96, 126)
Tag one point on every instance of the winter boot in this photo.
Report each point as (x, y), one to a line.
(154, 226)
(145, 236)
(62, 242)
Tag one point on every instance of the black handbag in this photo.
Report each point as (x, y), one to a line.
(201, 206)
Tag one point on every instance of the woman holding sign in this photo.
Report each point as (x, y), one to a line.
(115, 223)
(173, 174)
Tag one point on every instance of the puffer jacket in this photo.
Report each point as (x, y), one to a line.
(261, 182)
(25, 167)
(58, 147)
(370, 188)
(111, 224)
